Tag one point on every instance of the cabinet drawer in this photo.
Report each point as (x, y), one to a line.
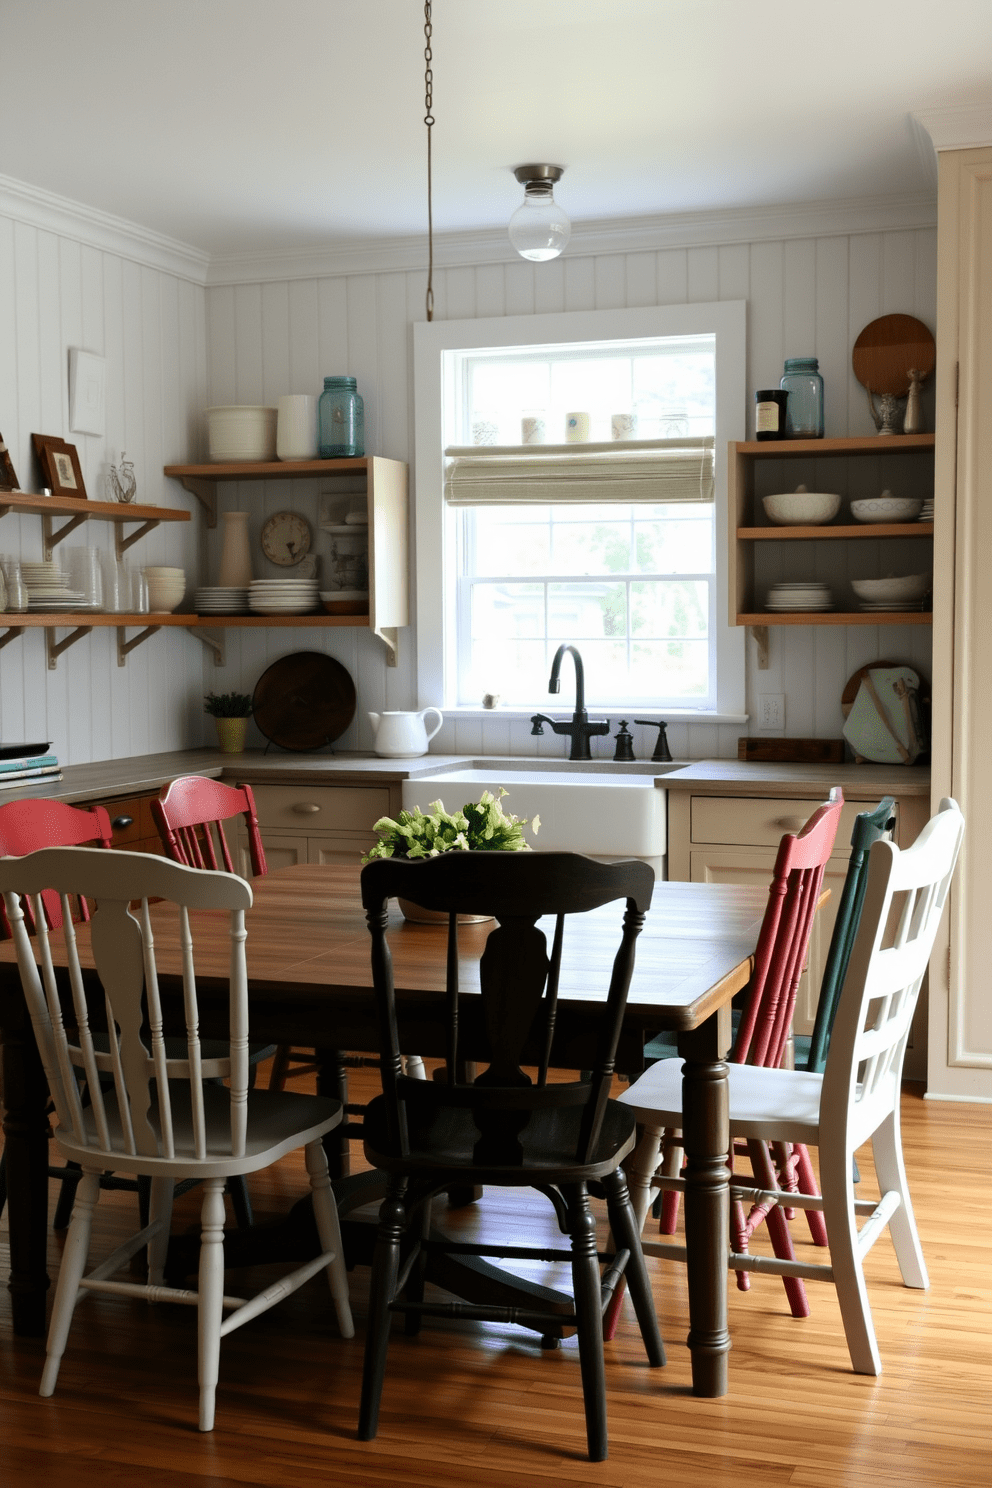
(761, 821)
(142, 826)
(318, 808)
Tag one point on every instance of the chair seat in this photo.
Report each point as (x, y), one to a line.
(775, 1105)
(277, 1123)
(444, 1140)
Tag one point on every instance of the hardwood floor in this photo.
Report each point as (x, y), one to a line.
(463, 1403)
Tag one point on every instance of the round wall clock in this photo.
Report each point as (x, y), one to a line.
(285, 538)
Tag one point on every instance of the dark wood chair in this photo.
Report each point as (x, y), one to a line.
(504, 1128)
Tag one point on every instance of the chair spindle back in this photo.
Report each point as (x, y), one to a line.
(189, 813)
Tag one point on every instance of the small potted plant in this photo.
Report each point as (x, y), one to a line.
(481, 826)
(231, 712)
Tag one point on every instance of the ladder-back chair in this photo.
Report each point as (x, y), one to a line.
(152, 1112)
(857, 1096)
(504, 1128)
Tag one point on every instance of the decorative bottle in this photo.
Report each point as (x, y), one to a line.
(341, 419)
(235, 557)
(804, 410)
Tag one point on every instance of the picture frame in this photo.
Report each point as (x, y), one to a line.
(8, 476)
(59, 465)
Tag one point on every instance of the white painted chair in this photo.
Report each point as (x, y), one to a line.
(856, 1097)
(148, 1113)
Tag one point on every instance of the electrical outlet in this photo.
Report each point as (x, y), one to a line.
(771, 710)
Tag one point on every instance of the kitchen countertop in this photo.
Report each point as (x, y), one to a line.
(145, 774)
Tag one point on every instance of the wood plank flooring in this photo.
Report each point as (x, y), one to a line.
(470, 1403)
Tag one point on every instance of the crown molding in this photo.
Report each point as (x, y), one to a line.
(957, 126)
(609, 235)
(71, 219)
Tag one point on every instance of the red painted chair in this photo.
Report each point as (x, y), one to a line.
(760, 1040)
(189, 814)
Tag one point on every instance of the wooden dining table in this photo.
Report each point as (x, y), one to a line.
(310, 986)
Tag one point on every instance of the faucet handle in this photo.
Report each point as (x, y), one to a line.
(662, 753)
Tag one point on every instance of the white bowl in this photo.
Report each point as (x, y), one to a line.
(886, 509)
(801, 508)
(878, 591)
(241, 433)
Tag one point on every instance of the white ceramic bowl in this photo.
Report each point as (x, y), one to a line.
(878, 591)
(241, 433)
(801, 508)
(164, 594)
(886, 509)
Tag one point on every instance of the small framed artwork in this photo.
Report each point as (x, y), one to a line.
(59, 465)
(87, 391)
(8, 477)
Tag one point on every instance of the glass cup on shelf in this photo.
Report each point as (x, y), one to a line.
(115, 596)
(136, 588)
(17, 590)
(85, 573)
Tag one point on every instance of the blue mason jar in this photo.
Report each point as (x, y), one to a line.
(804, 410)
(340, 419)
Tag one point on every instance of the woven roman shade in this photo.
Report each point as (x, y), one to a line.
(646, 470)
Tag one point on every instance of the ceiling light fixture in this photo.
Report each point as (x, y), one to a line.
(429, 121)
(539, 229)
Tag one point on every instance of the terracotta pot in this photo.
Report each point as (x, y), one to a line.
(231, 734)
(419, 916)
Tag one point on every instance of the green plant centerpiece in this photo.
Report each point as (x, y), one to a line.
(231, 712)
(481, 826)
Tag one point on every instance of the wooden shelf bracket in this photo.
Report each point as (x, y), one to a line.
(51, 538)
(10, 634)
(205, 492)
(759, 634)
(122, 543)
(212, 643)
(55, 648)
(124, 648)
(389, 636)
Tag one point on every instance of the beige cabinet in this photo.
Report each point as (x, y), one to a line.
(960, 1044)
(317, 823)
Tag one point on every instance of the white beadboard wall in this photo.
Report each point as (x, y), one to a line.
(806, 295)
(59, 290)
(174, 347)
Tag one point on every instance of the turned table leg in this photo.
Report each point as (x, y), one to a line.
(25, 1129)
(706, 1142)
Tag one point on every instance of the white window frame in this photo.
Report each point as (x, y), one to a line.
(435, 524)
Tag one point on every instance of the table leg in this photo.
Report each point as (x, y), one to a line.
(706, 1142)
(25, 1129)
(332, 1080)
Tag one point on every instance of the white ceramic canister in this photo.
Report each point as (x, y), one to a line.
(296, 427)
(235, 557)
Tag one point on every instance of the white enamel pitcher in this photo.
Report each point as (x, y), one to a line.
(402, 735)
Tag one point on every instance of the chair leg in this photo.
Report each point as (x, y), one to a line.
(588, 1317)
(671, 1167)
(626, 1237)
(3, 1180)
(778, 1228)
(159, 1208)
(237, 1187)
(210, 1310)
(845, 1258)
(891, 1173)
(641, 1167)
(807, 1185)
(385, 1271)
(326, 1215)
(280, 1066)
(70, 1274)
(66, 1198)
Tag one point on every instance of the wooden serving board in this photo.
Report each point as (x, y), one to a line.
(795, 751)
(887, 349)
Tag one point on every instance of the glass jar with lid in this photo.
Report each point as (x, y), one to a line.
(804, 410)
(341, 419)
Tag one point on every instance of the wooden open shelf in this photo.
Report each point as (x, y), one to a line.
(856, 530)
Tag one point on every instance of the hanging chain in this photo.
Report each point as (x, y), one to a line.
(429, 121)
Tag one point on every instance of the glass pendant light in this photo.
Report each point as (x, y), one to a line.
(539, 229)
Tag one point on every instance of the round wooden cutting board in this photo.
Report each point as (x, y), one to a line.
(304, 701)
(887, 349)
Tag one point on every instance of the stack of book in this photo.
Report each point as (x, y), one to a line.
(27, 764)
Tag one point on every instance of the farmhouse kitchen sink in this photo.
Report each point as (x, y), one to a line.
(590, 806)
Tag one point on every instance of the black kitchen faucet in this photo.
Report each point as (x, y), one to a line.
(580, 730)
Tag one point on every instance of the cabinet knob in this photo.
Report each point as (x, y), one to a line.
(306, 808)
(120, 822)
(791, 823)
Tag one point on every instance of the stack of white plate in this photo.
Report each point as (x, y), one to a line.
(48, 588)
(282, 596)
(215, 600)
(799, 595)
(926, 514)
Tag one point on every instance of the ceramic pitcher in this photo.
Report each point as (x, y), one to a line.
(402, 735)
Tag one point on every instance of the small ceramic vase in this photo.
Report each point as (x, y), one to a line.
(231, 734)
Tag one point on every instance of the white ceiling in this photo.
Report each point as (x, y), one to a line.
(258, 125)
